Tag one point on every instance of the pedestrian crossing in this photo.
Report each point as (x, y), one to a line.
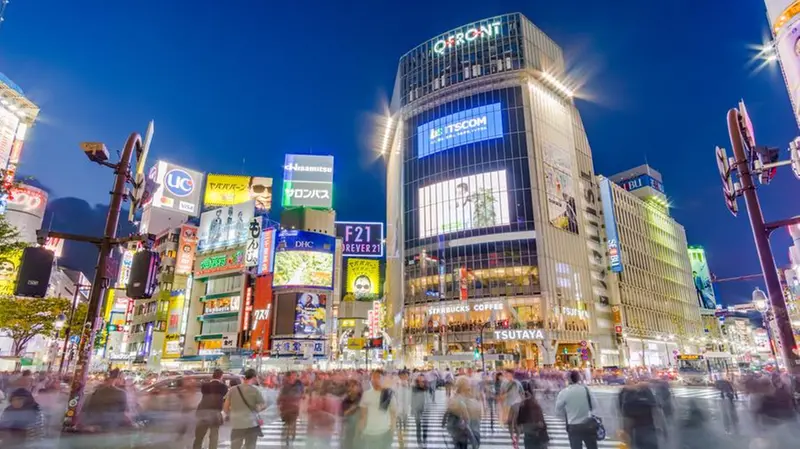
(493, 435)
(677, 392)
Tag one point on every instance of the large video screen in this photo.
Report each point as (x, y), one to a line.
(470, 202)
(310, 314)
(303, 269)
(461, 128)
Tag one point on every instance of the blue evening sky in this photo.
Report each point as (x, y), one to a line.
(235, 85)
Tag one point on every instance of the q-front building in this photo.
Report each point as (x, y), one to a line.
(495, 240)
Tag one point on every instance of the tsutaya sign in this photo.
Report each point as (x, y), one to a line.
(519, 334)
(465, 308)
(472, 33)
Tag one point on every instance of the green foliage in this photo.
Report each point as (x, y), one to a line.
(21, 319)
(8, 237)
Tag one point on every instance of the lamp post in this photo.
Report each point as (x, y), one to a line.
(483, 361)
(259, 343)
(761, 304)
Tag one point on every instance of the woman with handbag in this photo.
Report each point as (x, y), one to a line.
(531, 420)
(243, 404)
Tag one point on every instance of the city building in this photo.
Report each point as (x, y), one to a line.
(784, 21)
(739, 339)
(659, 313)
(494, 245)
(17, 115)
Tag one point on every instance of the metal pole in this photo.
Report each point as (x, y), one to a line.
(99, 286)
(765, 322)
(68, 330)
(761, 237)
(483, 360)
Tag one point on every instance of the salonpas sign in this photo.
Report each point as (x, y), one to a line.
(519, 334)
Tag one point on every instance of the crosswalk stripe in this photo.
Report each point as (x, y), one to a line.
(438, 438)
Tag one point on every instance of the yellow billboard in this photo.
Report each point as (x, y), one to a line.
(229, 190)
(172, 346)
(363, 278)
(9, 271)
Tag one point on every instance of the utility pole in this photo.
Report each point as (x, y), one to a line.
(748, 161)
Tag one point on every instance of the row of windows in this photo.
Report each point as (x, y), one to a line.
(224, 284)
(220, 326)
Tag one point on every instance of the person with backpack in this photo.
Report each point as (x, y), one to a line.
(243, 404)
(531, 420)
(378, 414)
(639, 409)
(576, 404)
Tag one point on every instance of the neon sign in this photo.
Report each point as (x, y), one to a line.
(470, 35)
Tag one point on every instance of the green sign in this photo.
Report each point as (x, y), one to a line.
(233, 260)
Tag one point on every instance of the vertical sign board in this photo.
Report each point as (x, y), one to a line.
(253, 250)
(267, 251)
(308, 181)
(187, 245)
(360, 239)
(262, 313)
(614, 250)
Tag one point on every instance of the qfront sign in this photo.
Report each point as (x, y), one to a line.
(360, 239)
(519, 334)
(307, 181)
(479, 307)
(466, 35)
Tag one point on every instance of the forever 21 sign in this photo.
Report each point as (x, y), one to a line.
(360, 239)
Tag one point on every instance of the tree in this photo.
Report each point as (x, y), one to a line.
(9, 236)
(21, 319)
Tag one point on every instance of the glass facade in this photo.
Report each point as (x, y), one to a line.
(483, 48)
(466, 192)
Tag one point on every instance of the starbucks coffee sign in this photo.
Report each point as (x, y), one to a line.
(519, 334)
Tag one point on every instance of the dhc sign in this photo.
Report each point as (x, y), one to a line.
(472, 125)
(471, 34)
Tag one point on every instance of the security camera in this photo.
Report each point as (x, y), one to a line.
(95, 151)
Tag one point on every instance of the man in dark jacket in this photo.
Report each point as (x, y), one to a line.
(209, 411)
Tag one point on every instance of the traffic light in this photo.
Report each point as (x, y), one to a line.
(730, 190)
(112, 327)
(34, 272)
(476, 353)
(144, 275)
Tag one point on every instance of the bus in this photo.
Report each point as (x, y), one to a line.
(705, 369)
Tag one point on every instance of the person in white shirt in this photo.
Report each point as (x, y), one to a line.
(378, 414)
(576, 404)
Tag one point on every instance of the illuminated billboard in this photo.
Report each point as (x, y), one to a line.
(363, 278)
(187, 244)
(177, 188)
(310, 314)
(307, 181)
(225, 227)
(304, 259)
(8, 130)
(228, 190)
(702, 278)
(472, 125)
(610, 221)
(460, 204)
(360, 239)
(9, 271)
(784, 16)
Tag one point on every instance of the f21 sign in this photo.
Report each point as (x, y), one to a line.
(361, 239)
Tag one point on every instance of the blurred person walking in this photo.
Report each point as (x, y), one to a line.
(531, 420)
(491, 387)
(289, 399)
(350, 415)
(322, 412)
(576, 404)
(512, 398)
(403, 391)
(419, 404)
(448, 381)
(209, 411)
(693, 429)
(22, 422)
(727, 392)
(639, 408)
(462, 418)
(243, 404)
(378, 414)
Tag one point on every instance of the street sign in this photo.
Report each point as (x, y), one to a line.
(729, 190)
(356, 344)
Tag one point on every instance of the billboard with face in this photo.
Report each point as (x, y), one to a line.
(363, 278)
(308, 181)
(228, 190)
(310, 314)
(225, 227)
(9, 271)
(176, 188)
(460, 204)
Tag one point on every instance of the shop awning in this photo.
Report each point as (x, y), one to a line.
(199, 358)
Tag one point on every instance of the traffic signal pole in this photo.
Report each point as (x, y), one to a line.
(761, 233)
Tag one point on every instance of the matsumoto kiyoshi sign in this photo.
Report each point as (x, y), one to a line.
(519, 334)
(466, 35)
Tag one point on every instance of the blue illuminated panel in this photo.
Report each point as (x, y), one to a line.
(642, 181)
(461, 128)
(614, 251)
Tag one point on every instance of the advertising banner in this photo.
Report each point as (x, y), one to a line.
(222, 305)
(294, 348)
(642, 181)
(472, 125)
(172, 348)
(311, 314)
(360, 239)
(304, 259)
(267, 251)
(9, 271)
(363, 278)
(262, 313)
(610, 219)
(225, 227)
(253, 250)
(460, 204)
(55, 244)
(702, 278)
(177, 188)
(187, 245)
(229, 190)
(8, 129)
(308, 181)
(125, 268)
(218, 263)
(27, 199)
